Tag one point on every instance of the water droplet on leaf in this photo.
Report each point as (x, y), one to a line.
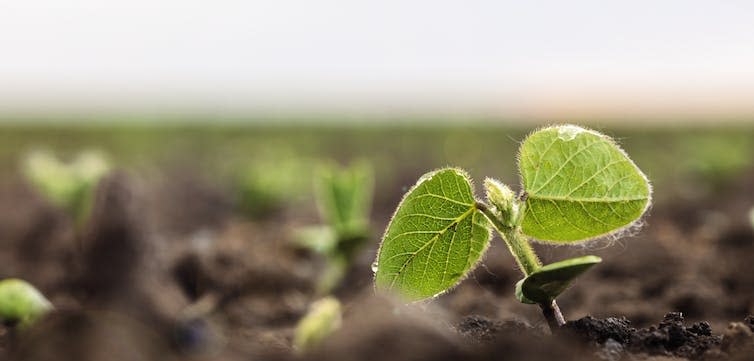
(569, 132)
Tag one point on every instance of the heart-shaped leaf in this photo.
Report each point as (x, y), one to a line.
(67, 185)
(579, 185)
(545, 284)
(435, 237)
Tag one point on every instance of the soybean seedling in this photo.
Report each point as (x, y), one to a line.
(323, 318)
(69, 186)
(271, 182)
(577, 185)
(344, 197)
(20, 303)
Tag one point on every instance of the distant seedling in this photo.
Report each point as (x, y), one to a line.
(20, 303)
(323, 319)
(577, 185)
(344, 197)
(69, 186)
(270, 183)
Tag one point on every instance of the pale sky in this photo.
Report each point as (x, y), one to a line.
(501, 57)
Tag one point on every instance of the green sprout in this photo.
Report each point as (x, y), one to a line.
(715, 159)
(68, 186)
(577, 185)
(323, 318)
(266, 185)
(344, 197)
(20, 303)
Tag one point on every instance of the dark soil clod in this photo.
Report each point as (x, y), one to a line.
(601, 330)
(670, 338)
(749, 321)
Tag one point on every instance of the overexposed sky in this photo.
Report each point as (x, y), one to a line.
(502, 57)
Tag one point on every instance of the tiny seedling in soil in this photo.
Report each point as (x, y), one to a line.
(69, 186)
(344, 197)
(270, 182)
(577, 185)
(323, 318)
(20, 303)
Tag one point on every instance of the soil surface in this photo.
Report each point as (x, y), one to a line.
(174, 272)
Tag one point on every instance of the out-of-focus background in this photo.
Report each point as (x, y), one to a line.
(492, 60)
(208, 122)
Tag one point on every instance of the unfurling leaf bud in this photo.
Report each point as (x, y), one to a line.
(503, 199)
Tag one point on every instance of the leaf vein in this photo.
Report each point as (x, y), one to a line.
(428, 194)
(430, 241)
(564, 164)
(597, 173)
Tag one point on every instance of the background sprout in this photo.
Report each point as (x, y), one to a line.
(714, 159)
(323, 319)
(577, 185)
(344, 198)
(751, 217)
(20, 303)
(68, 186)
(270, 182)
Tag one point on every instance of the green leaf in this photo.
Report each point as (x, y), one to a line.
(67, 185)
(435, 237)
(21, 303)
(579, 185)
(551, 280)
(520, 293)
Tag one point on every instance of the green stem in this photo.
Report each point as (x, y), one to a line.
(519, 246)
(527, 260)
(335, 271)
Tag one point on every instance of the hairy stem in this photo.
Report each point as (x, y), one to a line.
(527, 260)
(517, 243)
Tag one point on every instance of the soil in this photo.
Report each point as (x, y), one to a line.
(176, 272)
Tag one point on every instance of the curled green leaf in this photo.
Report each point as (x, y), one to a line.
(551, 280)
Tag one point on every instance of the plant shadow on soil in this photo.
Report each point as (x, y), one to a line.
(137, 284)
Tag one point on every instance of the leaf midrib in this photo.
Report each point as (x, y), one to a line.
(432, 240)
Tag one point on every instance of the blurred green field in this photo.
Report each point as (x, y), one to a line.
(683, 162)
